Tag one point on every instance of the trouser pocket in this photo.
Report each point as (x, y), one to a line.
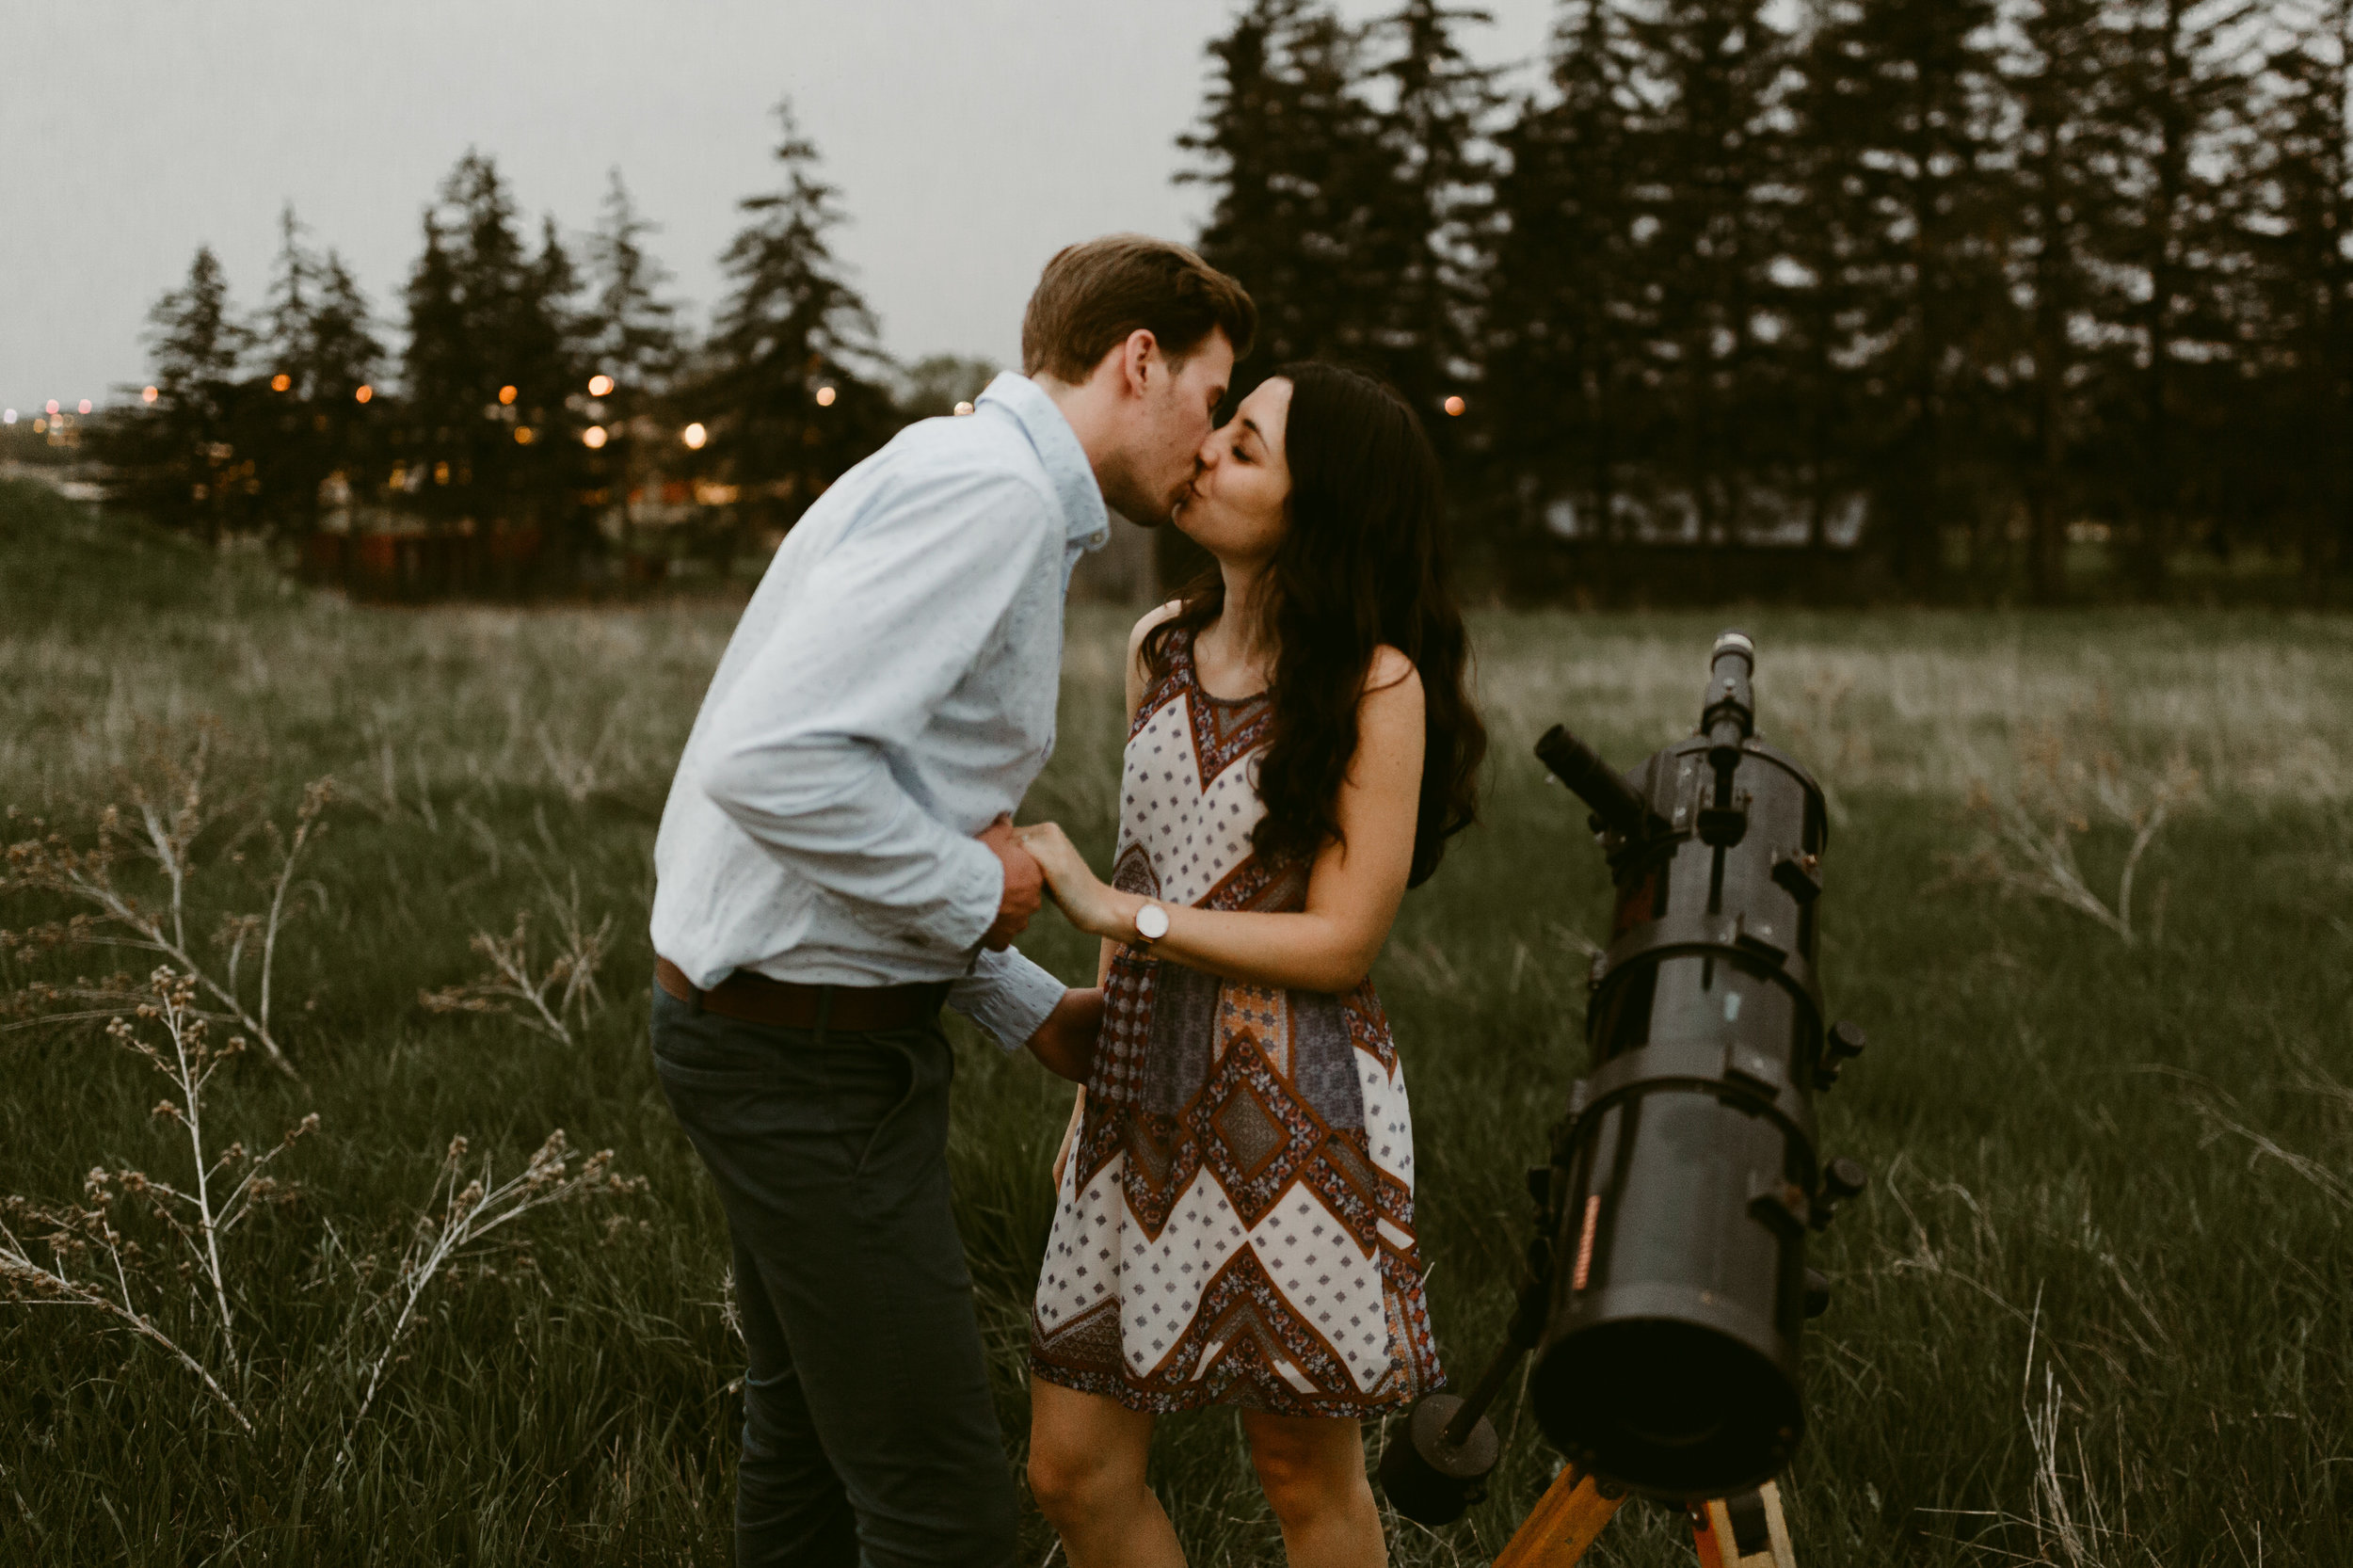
(923, 1062)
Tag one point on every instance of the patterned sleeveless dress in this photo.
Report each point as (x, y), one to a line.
(1236, 1220)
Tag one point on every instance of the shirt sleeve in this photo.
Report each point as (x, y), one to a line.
(1008, 995)
(888, 621)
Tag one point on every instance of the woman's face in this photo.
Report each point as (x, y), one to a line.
(1237, 505)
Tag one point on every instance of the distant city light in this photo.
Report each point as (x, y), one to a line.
(281, 381)
(8, 418)
(599, 385)
(363, 395)
(525, 435)
(507, 394)
(593, 436)
(1454, 406)
(963, 409)
(148, 394)
(53, 405)
(824, 397)
(441, 474)
(694, 435)
(40, 425)
(84, 405)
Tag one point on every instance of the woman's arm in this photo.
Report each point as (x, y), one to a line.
(1353, 887)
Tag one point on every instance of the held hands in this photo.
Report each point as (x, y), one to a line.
(1093, 908)
(1024, 885)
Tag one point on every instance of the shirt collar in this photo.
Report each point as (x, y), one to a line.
(1085, 519)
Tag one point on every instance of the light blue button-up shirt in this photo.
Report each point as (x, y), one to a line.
(888, 693)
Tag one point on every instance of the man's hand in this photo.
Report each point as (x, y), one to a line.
(1064, 1043)
(1025, 886)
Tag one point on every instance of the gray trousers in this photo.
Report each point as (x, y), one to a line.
(870, 1438)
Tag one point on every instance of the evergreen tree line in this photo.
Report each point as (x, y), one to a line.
(548, 400)
(1969, 283)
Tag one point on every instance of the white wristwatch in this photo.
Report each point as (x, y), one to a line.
(1151, 922)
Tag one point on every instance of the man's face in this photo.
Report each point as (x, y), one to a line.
(1179, 410)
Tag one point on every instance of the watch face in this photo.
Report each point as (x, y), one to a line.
(1152, 922)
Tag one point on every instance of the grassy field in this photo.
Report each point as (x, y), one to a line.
(2092, 1311)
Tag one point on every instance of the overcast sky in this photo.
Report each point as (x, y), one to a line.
(971, 139)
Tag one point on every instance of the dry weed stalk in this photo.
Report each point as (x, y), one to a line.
(567, 990)
(165, 832)
(222, 1192)
(2030, 842)
(2224, 1119)
(470, 1213)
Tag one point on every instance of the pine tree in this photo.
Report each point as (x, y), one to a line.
(1413, 263)
(1711, 157)
(495, 368)
(634, 329)
(2183, 92)
(1291, 151)
(2302, 212)
(2065, 146)
(1907, 149)
(795, 387)
(342, 352)
(285, 325)
(181, 453)
(1566, 304)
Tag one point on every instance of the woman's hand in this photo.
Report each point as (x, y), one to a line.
(1093, 908)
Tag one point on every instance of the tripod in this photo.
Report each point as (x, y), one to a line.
(1745, 1530)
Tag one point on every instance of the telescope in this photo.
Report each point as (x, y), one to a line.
(1666, 1286)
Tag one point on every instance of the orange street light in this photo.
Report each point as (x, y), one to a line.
(507, 394)
(593, 436)
(149, 394)
(281, 381)
(599, 385)
(1454, 406)
(694, 435)
(525, 435)
(824, 397)
(363, 395)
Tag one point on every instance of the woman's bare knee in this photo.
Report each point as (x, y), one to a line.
(1306, 1466)
(1084, 1457)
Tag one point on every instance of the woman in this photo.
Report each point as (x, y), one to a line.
(1235, 1223)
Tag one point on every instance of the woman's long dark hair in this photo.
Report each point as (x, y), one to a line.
(1361, 562)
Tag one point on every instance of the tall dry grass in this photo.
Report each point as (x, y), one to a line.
(2091, 1312)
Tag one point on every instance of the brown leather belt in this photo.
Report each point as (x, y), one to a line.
(755, 998)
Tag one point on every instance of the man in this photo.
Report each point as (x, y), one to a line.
(837, 859)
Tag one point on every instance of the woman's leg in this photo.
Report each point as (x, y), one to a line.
(1313, 1469)
(1086, 1471)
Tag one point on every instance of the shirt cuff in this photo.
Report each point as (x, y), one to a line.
(1008, 995)
(976, 889)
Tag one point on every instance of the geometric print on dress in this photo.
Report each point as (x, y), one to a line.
(1224, 729)
(1118, 1075)
(1255, 1138)
(1235, 1222)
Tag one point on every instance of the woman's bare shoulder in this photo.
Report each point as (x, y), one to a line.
(1152, 618)
(1390, 670)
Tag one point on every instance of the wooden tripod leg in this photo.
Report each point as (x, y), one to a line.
(1562, 1524)
(1744, 1530)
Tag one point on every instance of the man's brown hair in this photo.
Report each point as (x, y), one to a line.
(1092, 296)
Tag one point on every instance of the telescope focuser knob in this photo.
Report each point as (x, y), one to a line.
(1841, 1179)
(1842, 1044)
